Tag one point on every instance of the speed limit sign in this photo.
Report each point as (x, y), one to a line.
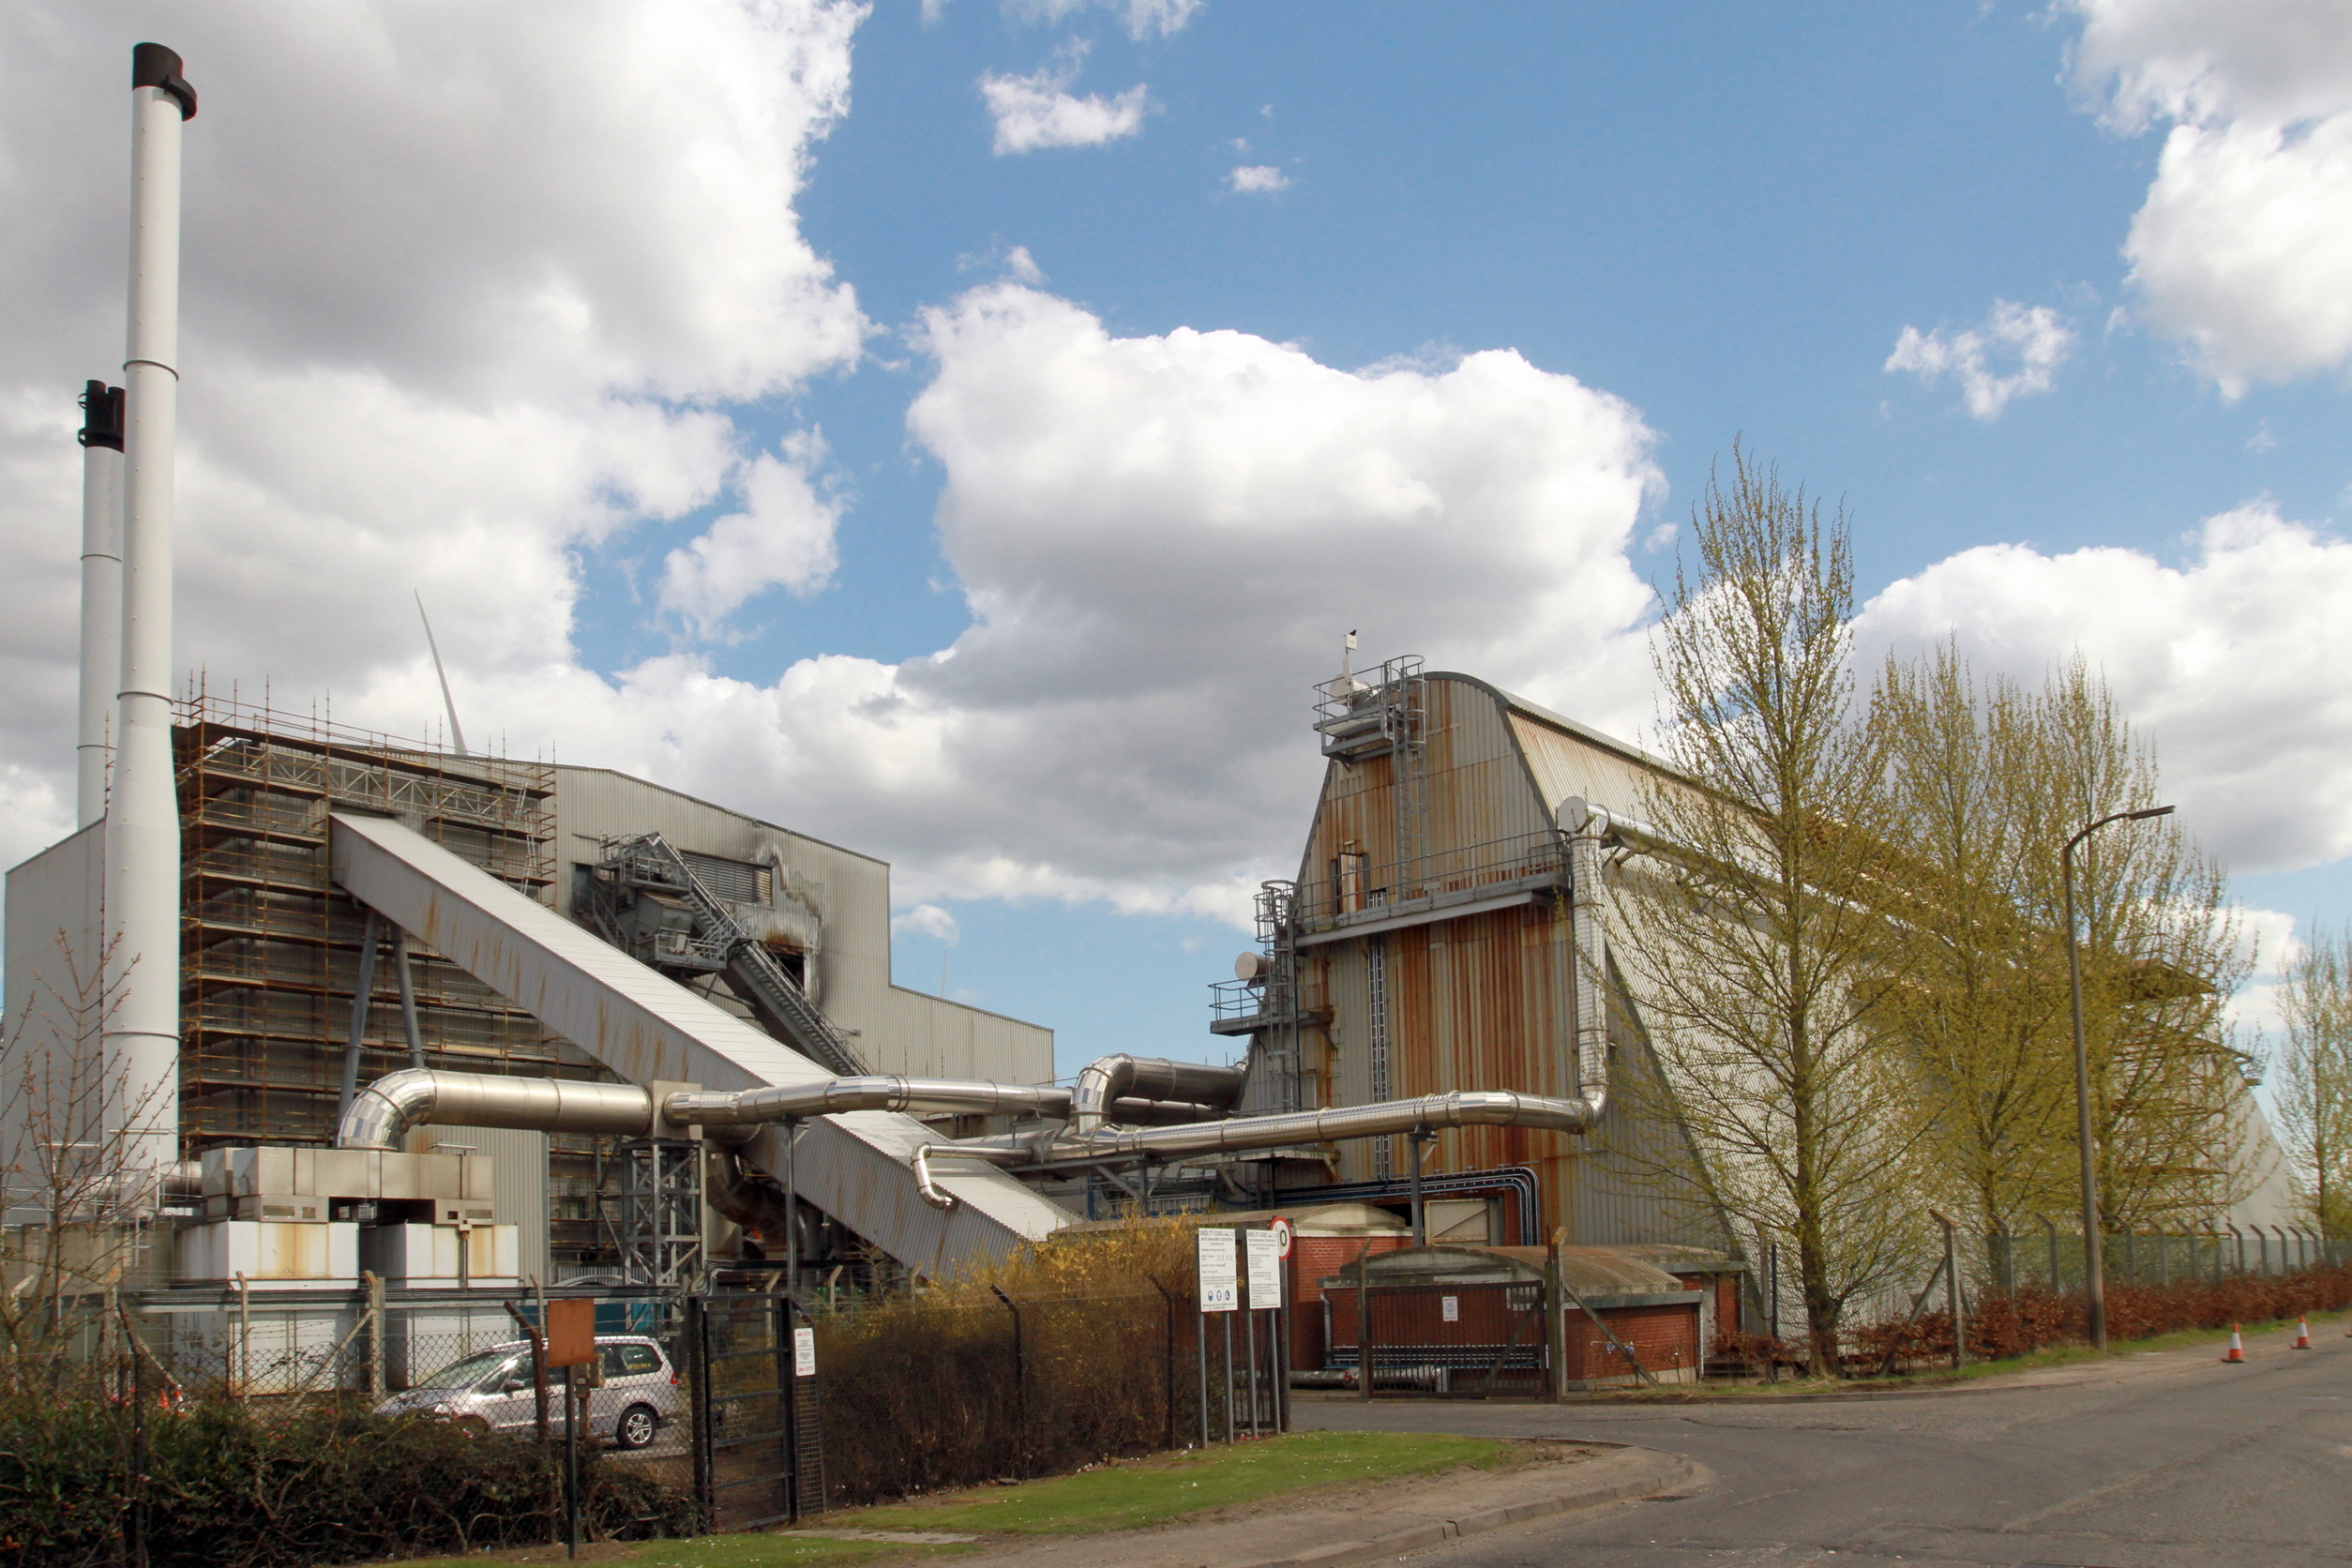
(1281, 1228)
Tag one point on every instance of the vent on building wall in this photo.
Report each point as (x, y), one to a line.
(736, 881)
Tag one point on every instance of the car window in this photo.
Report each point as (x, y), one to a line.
(630, 1361)
(499, 1374)
(468, 1372)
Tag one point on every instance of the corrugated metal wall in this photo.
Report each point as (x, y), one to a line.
(1486, 1000)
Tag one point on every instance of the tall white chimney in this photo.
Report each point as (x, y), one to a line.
(101, 439)
(143, 819)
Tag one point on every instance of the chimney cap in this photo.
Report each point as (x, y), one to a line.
(154, 65)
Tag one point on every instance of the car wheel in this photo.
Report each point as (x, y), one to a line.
(472, 1425)
(636, 1427)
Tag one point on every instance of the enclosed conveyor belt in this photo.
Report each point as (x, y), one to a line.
(856, 1166)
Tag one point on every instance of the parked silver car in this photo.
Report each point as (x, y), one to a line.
(490, 1391)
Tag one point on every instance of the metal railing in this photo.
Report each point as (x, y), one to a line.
(1334, 898)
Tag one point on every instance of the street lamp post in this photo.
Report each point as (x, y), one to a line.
(2094, 1264)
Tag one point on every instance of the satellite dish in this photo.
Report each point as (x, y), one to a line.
(1250, 966)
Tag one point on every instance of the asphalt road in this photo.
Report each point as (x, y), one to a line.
(2153, 1461)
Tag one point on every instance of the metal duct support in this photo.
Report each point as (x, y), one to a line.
(1496, 1107)
(1105, 1082)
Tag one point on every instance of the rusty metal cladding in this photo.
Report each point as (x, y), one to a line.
(1480, 953)
(644, 1027)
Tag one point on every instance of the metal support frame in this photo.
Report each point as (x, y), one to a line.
(657, 1224)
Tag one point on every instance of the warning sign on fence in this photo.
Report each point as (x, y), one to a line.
(804, 1352)
(1220, 1286)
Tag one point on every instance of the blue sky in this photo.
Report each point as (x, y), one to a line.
(1688, 222)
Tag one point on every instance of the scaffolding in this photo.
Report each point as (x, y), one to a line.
(270, 945)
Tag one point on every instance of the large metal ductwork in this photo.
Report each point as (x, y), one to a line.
(1497, 1108)
(142, 821)
(101, 671)
(381, 1115)
(385, 1110)
(1589, 954)
(1108, 1084)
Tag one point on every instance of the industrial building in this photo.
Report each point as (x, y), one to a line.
(316, 1012)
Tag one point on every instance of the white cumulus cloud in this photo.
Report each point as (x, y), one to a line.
(926, 920)
(2014, 352)
(1161, 540)
(1036, 110)
(2231, 660)
(783, 538)
(1144, 17)
(2243, 251)
(465, 291)
(1256, 177)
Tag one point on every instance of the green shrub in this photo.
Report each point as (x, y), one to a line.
(226, 1488)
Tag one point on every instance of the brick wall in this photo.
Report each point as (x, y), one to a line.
(1665, 1337)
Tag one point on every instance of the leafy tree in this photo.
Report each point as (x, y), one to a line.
(2312, 1076)
(1756, 959)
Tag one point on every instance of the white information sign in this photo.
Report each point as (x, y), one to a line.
(1265, 1269)
(804, 1352)
(1220, 1287)
(1450, 1308)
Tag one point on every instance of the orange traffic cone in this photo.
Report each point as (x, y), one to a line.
(2302, 1332)
(2236, 1346)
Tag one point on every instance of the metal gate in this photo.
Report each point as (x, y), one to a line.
(758, 1453)
(1460, 1340)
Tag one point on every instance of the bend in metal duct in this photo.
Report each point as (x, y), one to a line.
(1105, 1081)
(382, 1112)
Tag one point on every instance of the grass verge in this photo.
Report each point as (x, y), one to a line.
(1121, 1495)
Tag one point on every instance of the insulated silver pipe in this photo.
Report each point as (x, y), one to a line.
(143, 822)
(1590, 955)
(382, 1113)
(388, 1108)
(101, 438)
(1107, 1079)
(872, 1091)
(1492, 1107)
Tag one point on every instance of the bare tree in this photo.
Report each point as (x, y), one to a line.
(78, 1207)
(1758, 957)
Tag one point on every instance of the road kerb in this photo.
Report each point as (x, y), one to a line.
(1667, 1470)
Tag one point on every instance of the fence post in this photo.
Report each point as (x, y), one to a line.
(1951, 1289)
(1200, 1365)
(239, 1382)
(1020, 1380)
(1363, 1321)
(1555, 1326)
(2051, 1225)
(698, 1361)
(376, 1348)
(1168, 1393)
